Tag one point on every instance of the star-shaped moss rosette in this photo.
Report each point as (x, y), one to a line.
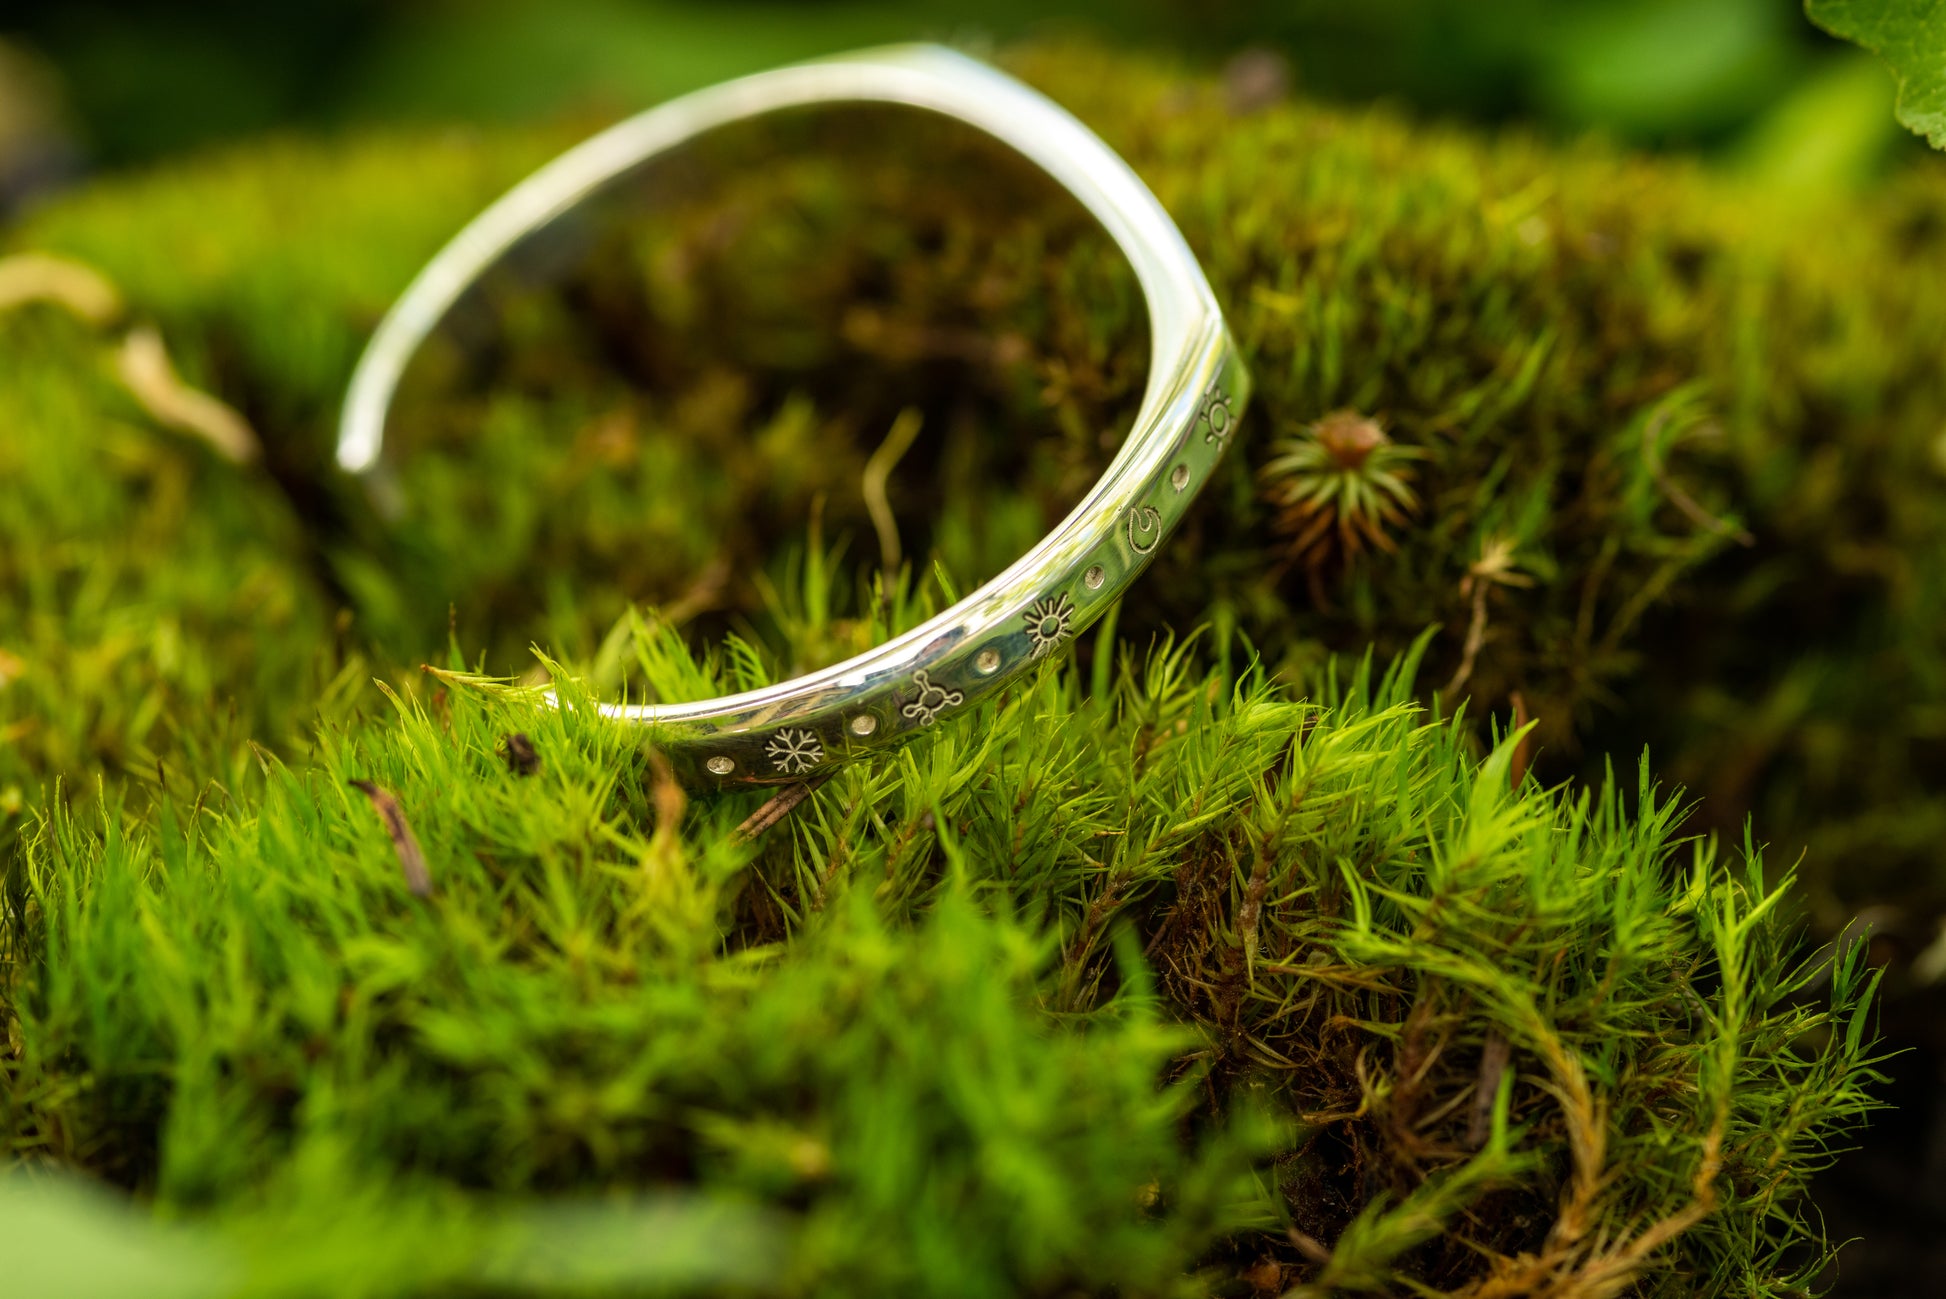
(1339, 485)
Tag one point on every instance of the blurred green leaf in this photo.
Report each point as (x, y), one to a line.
(671, 1243)
(1666, 67)
(61, 1239)
(1910, 35)
(1832, 135)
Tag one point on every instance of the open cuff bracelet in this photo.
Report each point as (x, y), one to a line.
(1194, 396)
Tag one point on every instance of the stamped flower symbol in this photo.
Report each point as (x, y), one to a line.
(932, 699)
(1049, 622)
(1216, 417)
(795, 750)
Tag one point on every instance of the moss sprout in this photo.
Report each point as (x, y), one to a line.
(1339, 486)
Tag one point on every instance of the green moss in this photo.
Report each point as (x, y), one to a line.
(1345, 907)
(924, 1019)
(1616, 372)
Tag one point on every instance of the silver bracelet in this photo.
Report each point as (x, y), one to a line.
(1195, 393)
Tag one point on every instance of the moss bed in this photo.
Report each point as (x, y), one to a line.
(1295, 933)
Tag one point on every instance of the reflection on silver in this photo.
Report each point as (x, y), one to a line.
(1196, 389)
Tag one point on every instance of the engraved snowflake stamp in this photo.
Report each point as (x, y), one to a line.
(795, 750)
(1215, 415)
(932, 699)
(1049, 622)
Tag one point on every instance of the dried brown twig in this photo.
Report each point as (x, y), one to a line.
(782, 805)
(412, 858)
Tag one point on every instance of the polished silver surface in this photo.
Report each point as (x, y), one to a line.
(928, 676)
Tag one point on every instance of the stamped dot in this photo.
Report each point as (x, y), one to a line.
(1094, 577)
(987, 661)
(1179, 477)
(864, 724)
(721, 766)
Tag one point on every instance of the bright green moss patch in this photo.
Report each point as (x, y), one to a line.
(1153, 978)
(1416, 1000)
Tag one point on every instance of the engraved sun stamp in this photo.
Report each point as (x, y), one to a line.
(1215, 414)
(932, 699)
(1049, 622)
(795, 750)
